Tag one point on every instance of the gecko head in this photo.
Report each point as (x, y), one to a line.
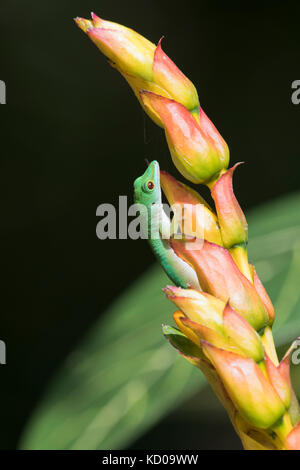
(147, 187)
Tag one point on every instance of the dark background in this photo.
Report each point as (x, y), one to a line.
(73, 136)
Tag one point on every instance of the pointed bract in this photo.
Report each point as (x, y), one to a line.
(131, 52)
(233, 224)
(198, 306)
(242, 334)
(252, 394)
(193, 152)
(168, 76)
(144, 65)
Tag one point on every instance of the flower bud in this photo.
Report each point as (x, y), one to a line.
(192, 150)
(131, 52)
(241, 333)
(219, 276)
(250, 391)
(233, 224)
(144, 65)
(198, 306)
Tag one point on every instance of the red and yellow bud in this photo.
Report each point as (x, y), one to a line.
(192, 150)
(198, 306)
(205, 317)
(241, 333)
(248, 388)
(144, 65)
(219, 276)
(131, 52)
(202, 224)
(233, 224)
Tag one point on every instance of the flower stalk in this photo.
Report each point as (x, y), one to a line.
(224, 327)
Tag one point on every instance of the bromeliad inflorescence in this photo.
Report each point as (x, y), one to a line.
(224, 316)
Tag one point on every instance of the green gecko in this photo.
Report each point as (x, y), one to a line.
(155, 222)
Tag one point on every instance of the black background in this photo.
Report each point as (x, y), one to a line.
(73, 136)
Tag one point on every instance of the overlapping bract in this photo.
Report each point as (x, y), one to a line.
(198, 151)
(227, 322)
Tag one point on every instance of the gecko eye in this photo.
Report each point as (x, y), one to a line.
(150, 185)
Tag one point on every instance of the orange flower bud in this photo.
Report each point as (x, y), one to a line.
(241, 333)
(193, 151)
(144, 65)
(198, 306)
(250, 391)
(129, 50)
(219, 275)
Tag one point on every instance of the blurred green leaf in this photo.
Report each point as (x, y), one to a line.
(124, 376)
(180, 342)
